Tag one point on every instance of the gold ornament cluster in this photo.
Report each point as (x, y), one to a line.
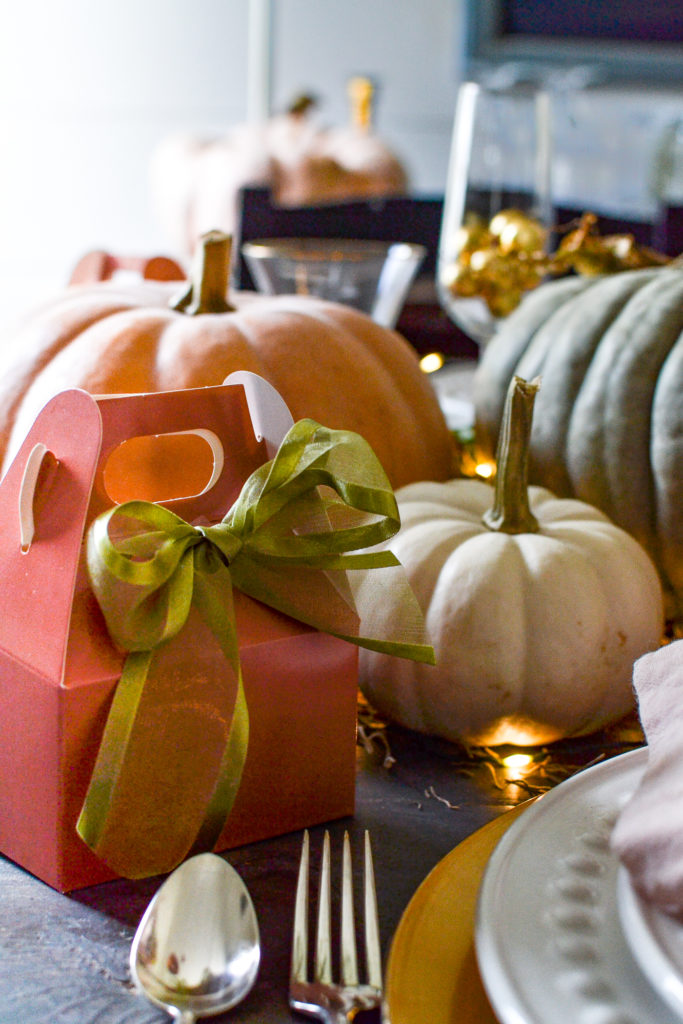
(500, 260)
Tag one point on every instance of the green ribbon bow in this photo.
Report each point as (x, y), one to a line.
(288, 541)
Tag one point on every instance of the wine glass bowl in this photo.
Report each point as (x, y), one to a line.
(497, 210)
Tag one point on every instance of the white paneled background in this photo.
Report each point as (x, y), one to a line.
(88, 89)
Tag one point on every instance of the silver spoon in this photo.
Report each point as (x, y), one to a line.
(196, 951)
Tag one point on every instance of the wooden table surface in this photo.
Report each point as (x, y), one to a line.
(64, 959)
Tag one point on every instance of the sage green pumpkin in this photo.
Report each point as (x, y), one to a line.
(608, 422)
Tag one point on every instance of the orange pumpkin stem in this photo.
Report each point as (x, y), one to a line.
(511, 512)
(208, 288)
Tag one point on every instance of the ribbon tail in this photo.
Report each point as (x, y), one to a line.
(230, 775)
(423, 653)
(213, 600)
(105, 820)
(92, 821)
(349, 605)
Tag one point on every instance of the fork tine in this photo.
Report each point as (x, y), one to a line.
(323, 948)
(349, 959)
(322, 998)
(373, 955)
(300, 935)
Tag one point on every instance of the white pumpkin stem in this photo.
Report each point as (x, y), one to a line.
(208, 287)
(301, 105)
(511, 512)
(360, 92)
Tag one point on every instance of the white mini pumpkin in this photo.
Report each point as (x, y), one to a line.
(537, 607)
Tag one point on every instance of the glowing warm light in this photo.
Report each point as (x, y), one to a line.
(517, 760)
(431, 362)
(485, 470)
(517, 766)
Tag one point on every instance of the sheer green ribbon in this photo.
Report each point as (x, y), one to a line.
(295, 530)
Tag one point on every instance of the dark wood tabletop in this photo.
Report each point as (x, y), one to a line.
(64, 958)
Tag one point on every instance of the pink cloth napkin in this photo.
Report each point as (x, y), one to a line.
(648, 835)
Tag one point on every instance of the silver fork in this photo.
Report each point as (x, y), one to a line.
(322, 998)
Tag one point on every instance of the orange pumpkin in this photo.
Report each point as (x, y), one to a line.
(328, 361)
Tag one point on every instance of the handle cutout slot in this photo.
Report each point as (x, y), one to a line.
(164, 467)
(36, 482)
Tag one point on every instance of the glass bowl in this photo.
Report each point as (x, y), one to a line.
(374, 277)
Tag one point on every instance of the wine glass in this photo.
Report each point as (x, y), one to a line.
(497, 208)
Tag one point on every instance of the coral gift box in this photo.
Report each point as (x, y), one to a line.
(59, 668)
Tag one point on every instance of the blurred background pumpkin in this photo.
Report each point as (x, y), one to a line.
(195, 181)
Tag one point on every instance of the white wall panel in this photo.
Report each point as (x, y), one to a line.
(88, 89)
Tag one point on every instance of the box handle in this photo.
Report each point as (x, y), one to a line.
(270, 415)
(39, 460)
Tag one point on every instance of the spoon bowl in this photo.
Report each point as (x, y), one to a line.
(196, 951)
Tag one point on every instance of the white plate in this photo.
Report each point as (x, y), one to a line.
(656, 942)
(549, 942)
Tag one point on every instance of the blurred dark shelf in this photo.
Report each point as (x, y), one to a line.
(428, 328)
(414, 219)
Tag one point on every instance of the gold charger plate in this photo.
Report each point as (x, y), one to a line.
(432, 972)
